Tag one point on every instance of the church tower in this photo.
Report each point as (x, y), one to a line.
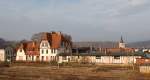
(121, 43)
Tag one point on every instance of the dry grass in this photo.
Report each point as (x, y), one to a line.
(38, 71)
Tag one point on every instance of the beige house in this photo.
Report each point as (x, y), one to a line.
(2, 55)
(21, 55)
(46, 49)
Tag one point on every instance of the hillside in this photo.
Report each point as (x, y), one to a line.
(4, 43)
(109, 44)
(140, 44)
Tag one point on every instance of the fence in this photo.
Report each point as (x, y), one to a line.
(144, 69)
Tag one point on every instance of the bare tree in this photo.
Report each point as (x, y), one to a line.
(37, 37)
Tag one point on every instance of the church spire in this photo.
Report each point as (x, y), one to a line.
(121, 40)
(121, 43)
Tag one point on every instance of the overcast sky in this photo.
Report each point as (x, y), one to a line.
(85, 20)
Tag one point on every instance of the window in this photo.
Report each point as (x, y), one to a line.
(42, 51)
(27, 58)
(46, 58)
(64, 57)
(98, 57)
(51, 50)
(51, 58)
(42, 44)
(55, 58)
(54, 50)
(42, 58)
(37, 58)
(116, 57)
(46, 44)
(20, 50)
(46, 51)
(62, 44)
(32, 58)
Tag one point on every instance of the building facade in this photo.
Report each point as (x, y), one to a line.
(10, 54)
(21, 52)
(121, 43)
(47, 49)
(101, 58)
(2, 55)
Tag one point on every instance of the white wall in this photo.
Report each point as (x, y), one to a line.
(44, 46)
(121, 60)
(104, 59)
(20, 56)
(121, 45)
(2, 55)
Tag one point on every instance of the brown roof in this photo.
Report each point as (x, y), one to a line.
(30, 47)
(56, 38)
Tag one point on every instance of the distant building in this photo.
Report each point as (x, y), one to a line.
(10, 54)
(54, 43)
(49, 46)
(32, 51)
(101, 58)
(121, 48)
(121, 43)
(2, 55)
(21, 52)
(47, 49)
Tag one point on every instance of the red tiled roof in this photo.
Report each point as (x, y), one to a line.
(32, 48)
(56, 38)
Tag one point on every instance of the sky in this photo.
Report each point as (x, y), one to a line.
(84, 20)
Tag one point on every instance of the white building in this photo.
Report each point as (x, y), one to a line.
(2, 55)
(121, 43)
(21, 54)
(10, 54)
(50, 45)
(101, 58)
(46, 52)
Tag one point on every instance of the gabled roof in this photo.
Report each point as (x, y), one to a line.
(56, 38)
(30, 47)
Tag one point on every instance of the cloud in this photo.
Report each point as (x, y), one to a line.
(137, 2)
(84, 19)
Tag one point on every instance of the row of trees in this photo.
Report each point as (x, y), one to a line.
(35, 37)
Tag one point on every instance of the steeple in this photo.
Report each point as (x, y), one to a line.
(121, 40)
(121, 43)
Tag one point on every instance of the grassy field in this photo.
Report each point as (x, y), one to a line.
(45, 71)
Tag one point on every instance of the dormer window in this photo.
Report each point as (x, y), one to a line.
(42, 44)
(20, 50)
(46, 44)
